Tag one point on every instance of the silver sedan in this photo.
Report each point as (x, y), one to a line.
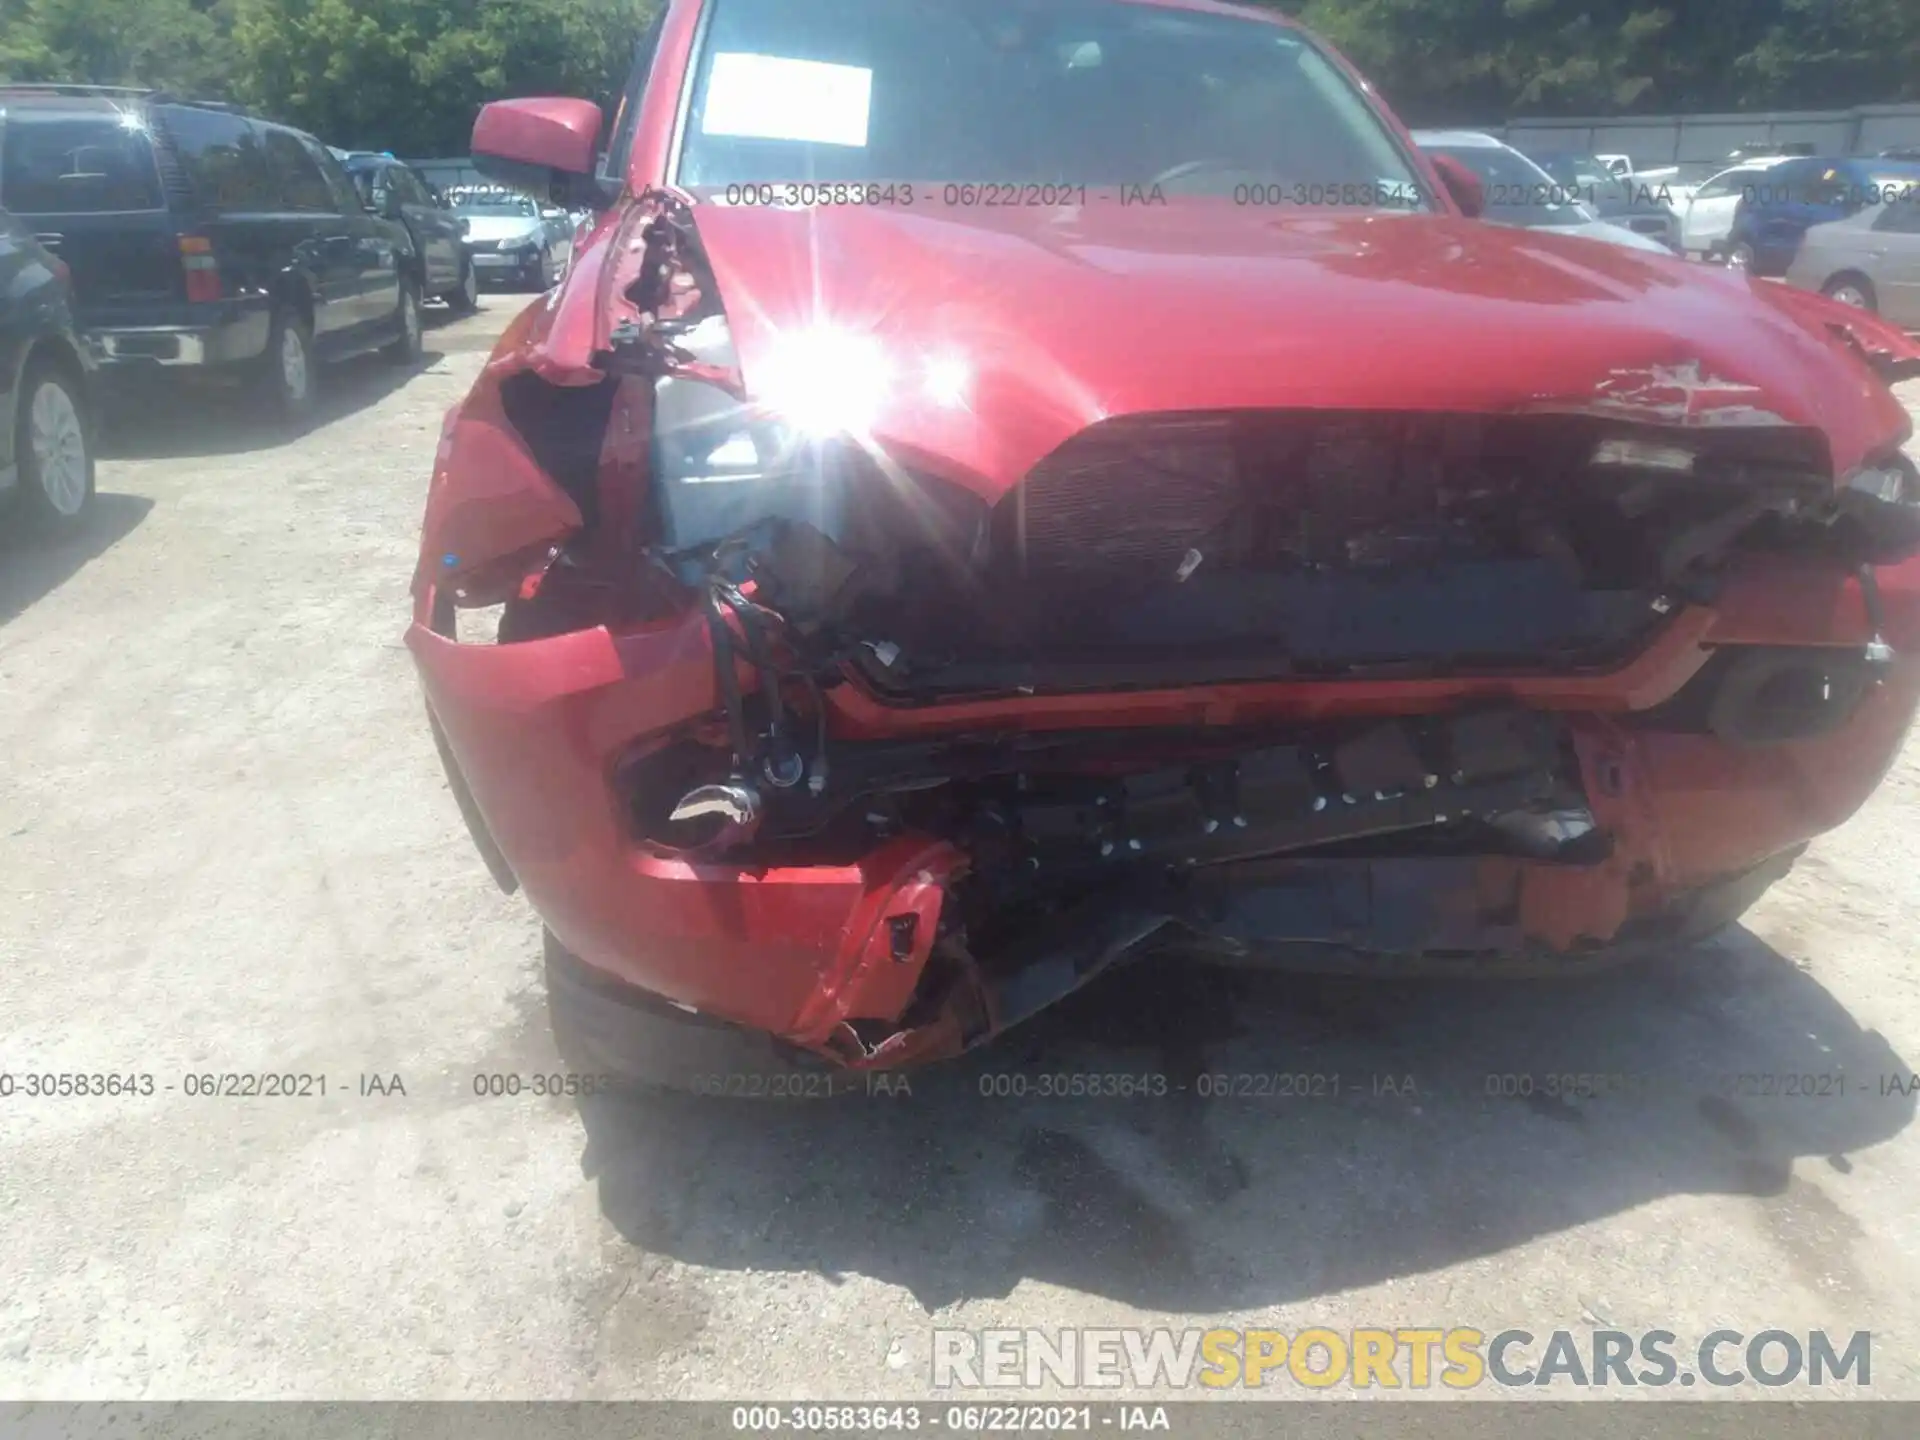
(1870, 259)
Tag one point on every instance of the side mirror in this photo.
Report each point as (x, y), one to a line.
(1462, 184)
(544, 147)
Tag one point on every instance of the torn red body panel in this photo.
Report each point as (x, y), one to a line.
(913, 607)
(798, 950)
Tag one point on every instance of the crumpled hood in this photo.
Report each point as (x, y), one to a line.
(492, 229)
(1070, 316)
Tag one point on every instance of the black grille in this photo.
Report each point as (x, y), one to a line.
(1149, 500)
(1154, 499)
(1128, 497)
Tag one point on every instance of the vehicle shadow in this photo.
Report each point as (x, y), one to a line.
(33, 564)
(156, 418)
(1419, 1147)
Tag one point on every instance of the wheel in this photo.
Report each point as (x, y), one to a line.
(1854, 290)
(628, 1040)
(464, 299)
(53, 448)
(1741, 256)
(405, 348)
(291, 375)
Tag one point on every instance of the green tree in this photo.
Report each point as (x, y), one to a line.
(175, 43)
(1834, 53)
(408, 75)
(1441, 60)
(401, 75)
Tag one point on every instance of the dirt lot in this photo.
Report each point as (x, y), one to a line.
(226, 846)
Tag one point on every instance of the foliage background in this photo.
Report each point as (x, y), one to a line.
(400, 75)
(407, 75)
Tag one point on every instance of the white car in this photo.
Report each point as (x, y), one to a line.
(1706, 216)
(1519, 192)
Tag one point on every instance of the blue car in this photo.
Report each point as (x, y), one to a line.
(1776, 209)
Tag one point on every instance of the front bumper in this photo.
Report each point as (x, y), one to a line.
(805, 952)
(497, 267)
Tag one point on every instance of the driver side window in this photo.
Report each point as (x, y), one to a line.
(1902, 217)
(346, 198)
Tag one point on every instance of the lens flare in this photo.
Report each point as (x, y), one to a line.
(825, 382)
(947, 381)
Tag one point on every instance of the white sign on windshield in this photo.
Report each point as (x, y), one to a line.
(767, 97)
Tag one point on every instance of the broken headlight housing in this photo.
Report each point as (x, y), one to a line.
(802, 449)
(721, 467)
(1879, 511)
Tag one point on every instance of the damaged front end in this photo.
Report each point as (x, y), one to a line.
(806, 729)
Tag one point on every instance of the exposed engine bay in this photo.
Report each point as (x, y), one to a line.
(1049, 819)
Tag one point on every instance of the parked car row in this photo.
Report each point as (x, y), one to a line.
(394, 190)
(512, 239)
(1583, 196)
(149, 235)
(1848, 227)
(459, 230)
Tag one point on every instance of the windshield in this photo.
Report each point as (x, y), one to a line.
(1519, 192)
(1055, 92)
(496, 205)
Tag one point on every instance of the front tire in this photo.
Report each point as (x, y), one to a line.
(53, 447)
(292, 375)
(1855, 290)
(405, 349)
(464, 298)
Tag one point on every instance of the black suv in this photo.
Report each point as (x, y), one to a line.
(46, 405)
(203, 237)
(396, 190)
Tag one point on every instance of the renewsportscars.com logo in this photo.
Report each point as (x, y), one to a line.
(1370, 1358)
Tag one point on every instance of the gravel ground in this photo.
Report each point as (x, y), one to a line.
(226, 846)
